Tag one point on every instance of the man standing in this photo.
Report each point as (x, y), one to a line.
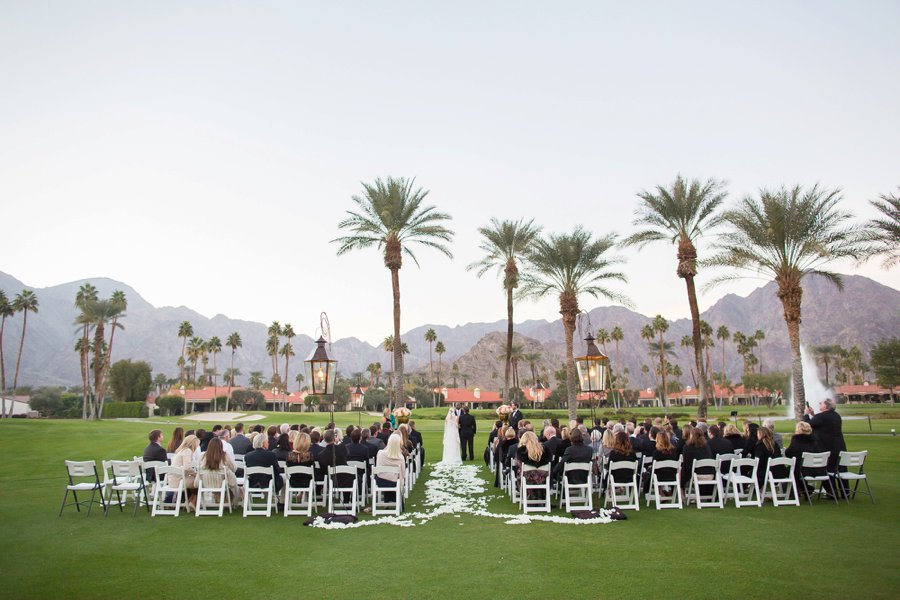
(467, 429)
(515, 416)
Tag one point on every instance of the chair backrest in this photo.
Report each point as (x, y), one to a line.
(781, 462)
(724, 461)
(704, 463)
(211, 478)
(665, 464)
(124, 468)
(239, 460)
(357, 464)
(385, 469)
(751, 463)
(298, 470)
(163, 472)
(249, 471)
(623, 465)
(815, 460)
(153, 464)
(542, 467)
(342, 470)
(852, 459)
(81, 468)
(282, 464)
(576, 467)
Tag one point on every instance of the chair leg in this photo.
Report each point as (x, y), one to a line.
(66, 497)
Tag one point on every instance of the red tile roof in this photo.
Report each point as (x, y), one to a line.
(861, 390)
(453, 395)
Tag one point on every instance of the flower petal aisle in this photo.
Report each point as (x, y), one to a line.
(458, 490)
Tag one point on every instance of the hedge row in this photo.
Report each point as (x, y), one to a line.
(113, 410)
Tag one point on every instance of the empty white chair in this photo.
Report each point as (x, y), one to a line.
(300, 499)
(710, 483)
(744, 488)
(381, 503)
(578, 496)
(812, 467)
(781, 488)
(127, 477)
(629, 487)
(212, 493)
(162, 489)
(850, 460)
(659, 479)
(83, 477)
(265, 494)
(531, 493)
(342, 497)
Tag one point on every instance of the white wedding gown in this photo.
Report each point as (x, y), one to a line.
(452, 452)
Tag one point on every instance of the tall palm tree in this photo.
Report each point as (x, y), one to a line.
(195, 351)
(388, 345)
(884, 233)
(6, 310)
(390, 216)
(234, 342)
(826, 354)
(759, 336)
(648, 333)
(532, 358)
(87, 293)
(681, 214)
(603, 338)
(787, 234)
(185, 330)
(100, 313)
(24, 302)
(515, 356)
(706, 331)
(273, 344)
(229, 376)
(288, 332)
(439, 350)
(568, 265)
(454, 373)
(256, 380)
(214, 345)
(431, 338)
(505, 244)
(722, 333)
(660, 326)
(287, 351)
(120, 303)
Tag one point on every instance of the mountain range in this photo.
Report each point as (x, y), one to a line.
(865, 312)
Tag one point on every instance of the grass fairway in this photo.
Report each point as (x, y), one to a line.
(822, 552)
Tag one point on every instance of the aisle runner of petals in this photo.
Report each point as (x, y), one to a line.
(457, 490)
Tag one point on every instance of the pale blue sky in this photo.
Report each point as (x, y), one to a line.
(199, 144)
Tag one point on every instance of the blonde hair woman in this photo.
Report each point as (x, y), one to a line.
(391, 456)
(184, 458)
(531, 452)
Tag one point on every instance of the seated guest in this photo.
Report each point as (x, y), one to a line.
(564, 442)
(682, 441)
(621, 451)
(577, 452)
(609, 440)
(596, 441)
(239, 442)
(385, 432)
(407, 446)
(416, 438)
(356, 451)
(215, 459)
(364, 439)
(374, 439)
(505, 448)
(733, 436)
(334, 454)
(184, 459)
(208, 435)
(347, 432)
(695, 448)
(493, 433)
(175, 440)
(718, 444)
(315, 437)
(282, 447)
(300, 456)
(391, 456)
(531, 452)
(663, 450)
(644, 441)
(776, 437)
(261, 456)
(803, 441)
(551, 440)
(750, 439)
(272, 433)
(155, 451)
(763, 451)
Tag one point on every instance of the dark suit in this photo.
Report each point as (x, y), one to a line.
(719, 446)
(551, 445)
(154, 451)
(263, 458)
(467, 429)
(574, 454)
(241, 444)
(514, 418)
(384, 435)
(827, 429)
(334, 455)
(416, 438)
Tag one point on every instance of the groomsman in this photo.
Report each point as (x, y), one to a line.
(467, 429)
(514, 417)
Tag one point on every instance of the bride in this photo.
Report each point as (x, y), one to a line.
(452, 454)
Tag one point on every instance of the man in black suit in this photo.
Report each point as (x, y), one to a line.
(576, 453)
(359, 452)
(514, 417)
(314, 448)
(154, 451)
(240, 442)
(385, 432)
(261, 456)
(333, 455)
(372, 444)
(827, 431)
(718, 444)
(552, 440)
(416, 438)
(467, 428)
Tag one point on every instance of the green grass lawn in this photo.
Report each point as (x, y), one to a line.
(823, 551)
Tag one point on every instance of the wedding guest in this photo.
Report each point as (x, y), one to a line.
(272, 434)
(356, 450)
(184, 459)
(695, 448)
(154, 451)
(391, 456)
(765, 449)
(609, 440)
(175, 440)
(679, 433)
(388, 418)
(300, 456)
(577, 452)
(621, 451)
(282, 447)
(215, 459)
(407, 446)
(682, 441)
(803, 441)
(332, 455)
(385, 432)
(315, 438)
(776, 437)
(531, 452)
(733, 436)
(551, 440)
(416, 438)
(347, 437)
(261, 456)
(239, 442)
(828, 430)
(515, 416)
(372, 440)
(596, 442)
(564, 442)
(718, 444)
(750, 438)
(664, 450)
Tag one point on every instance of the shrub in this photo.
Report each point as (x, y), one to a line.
(131, 410)
(171, 405)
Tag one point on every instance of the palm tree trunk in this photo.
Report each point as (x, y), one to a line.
(230, 377)
(398, 349)
(616, 394)
(2, 364)
(568, 305)
(664, 395)
(183, 359)
(18, 359)
(509, 342)
(431, 374)
(698, 348)
(791, 294)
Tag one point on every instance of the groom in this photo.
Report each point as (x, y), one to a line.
(467, 434)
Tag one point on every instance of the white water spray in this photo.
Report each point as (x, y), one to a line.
(815, 390)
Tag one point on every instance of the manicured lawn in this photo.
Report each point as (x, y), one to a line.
(823, 551)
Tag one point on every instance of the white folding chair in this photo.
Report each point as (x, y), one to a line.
(849, 460)
(212, 493)
(169, 457)
(577, 496)
(239, 469)
(657, 483)
(512, 482)
(266, 494)
(712, 483)
(530, 493)
(362, 481)
(744, 488)
(336, 492)
(162, 489)
(381, 505)
(150, 480)
(817, 461)
(723, 467)
(127, 477)
(629, 499)
(83, 477)
(299, 500)
(782, 490)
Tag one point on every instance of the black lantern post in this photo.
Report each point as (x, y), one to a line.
(540, 393)
(321, 371)
(357, 399)
(593, 369)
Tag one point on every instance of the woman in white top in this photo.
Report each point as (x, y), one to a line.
(184, 458)
(391, 456)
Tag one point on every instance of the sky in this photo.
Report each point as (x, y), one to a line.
(204, 152)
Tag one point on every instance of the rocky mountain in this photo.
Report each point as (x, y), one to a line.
(483, 364)
(863, 313)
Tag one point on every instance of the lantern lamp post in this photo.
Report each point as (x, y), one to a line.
(356, 397)
(593, 369)
(321, 371)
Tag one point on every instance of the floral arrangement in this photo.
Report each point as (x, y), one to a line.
(504, 410)
(402, 411)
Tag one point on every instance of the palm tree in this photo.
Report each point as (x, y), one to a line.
(431, 338)
(723, 334)
(24, 302)
(681, 214)
(272, 345)
(388, 345)
(6, 310)
(229, 376)
(391, 218)
(214, 346)
(787, 234)
(660, 326)
(288, 332)
(454, 373)
(706, 331)
(256, 380)
(121, 304)
(569, 265)
(234, 342)
(532, 358)
(603, 338)
(185, 330)
(98, 313)
(826, 353)
(884, 233)
(505, 244)
(439, 349)
(759, 336)
(287, 351)
(195, 351)
(515, 357)
(648, 333)
(87, 293)
(617, 336)
(299, 379)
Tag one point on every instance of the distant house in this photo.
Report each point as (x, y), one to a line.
(458, 397)
(863, 393)
(20, 404)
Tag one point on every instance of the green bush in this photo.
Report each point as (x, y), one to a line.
(171, 405)
(114, 410)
